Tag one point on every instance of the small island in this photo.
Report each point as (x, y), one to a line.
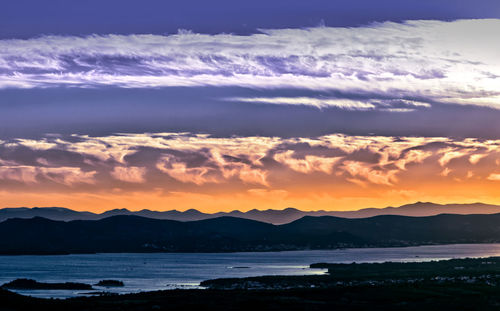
(110, 283)
(29, 284)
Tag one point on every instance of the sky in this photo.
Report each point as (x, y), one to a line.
(220, 106)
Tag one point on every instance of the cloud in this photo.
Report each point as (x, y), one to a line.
(309, 101)
(180, 171)
(307, 165)
(37, 144)
(215, 168)
(446, 171)
(131, 174)
(67, 175)
(494, 177)
(253, 176)
(62, 175)
(24, 174)
(370, 174)
(475, 158)
(179, 162)
(449, 154)
(342, 103)
(412, 156)
(415, 61)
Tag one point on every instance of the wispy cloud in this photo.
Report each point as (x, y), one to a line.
(495, 177)
(131, 174)
(391, 105)
(27, 175)
(433, 61)
(308, 101)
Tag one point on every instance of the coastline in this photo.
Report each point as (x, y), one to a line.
(462, 284)
(299, 249)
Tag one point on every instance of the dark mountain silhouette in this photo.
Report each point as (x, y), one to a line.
(54, 213)
(224, 234)
(269, 216)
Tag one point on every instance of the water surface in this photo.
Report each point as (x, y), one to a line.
(159, 271)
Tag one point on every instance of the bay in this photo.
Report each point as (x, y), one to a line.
(160, 271)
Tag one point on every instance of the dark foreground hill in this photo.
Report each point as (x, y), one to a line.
(395, 297)
(270, 216)
(227, 234)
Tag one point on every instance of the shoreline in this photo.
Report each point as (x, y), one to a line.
(472, 270)
(456, 284)
(253, 251)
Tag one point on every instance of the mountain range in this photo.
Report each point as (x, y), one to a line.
(129, 233)
(270, 216)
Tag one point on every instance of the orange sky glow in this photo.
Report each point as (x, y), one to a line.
(165, 171)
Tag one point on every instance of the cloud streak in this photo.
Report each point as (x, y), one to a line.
(426, 61)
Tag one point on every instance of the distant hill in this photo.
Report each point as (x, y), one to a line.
(227, 234)
(269, 216)
(54, 213)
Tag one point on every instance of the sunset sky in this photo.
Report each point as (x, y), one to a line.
(224, 105)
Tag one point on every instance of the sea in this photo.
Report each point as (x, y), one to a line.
(163, 271)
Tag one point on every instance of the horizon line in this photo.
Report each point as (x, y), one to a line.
(244, 212)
